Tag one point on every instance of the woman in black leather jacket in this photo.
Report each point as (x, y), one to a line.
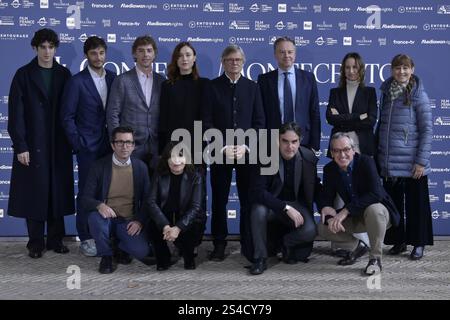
(175, 207)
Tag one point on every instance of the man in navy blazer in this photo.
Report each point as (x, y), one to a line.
(367, 206)
(302, 105)
(84, 121)
(231, 102)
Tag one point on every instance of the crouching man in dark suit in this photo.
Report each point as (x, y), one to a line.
(115, 193)
(286, 199)
(367, 206)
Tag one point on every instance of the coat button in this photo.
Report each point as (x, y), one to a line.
(234, 98)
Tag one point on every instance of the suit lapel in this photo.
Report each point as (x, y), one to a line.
(273, 83)
(344, 99)
(137, 84)
(155, 87)
(90, 86)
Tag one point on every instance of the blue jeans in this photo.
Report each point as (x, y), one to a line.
(102, 229)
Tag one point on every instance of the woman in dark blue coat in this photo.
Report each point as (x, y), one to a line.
(404, 148)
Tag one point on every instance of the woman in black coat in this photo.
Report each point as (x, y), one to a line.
(352, 107)
(175, 207)
(181, 95)
(42, 171)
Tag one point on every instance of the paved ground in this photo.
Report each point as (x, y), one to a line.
(320, 278)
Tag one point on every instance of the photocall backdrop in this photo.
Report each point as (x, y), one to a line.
(324, 31)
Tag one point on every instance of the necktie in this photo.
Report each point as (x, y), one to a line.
(288, 103)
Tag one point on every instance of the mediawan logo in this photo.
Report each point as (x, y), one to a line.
(164, 24)
(198, 39)
(324, 26)
(435, 42)
(61, 5)
(138, 6)
(372, 9)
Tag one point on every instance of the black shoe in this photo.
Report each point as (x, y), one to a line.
(189, 264)
(373, 267)
(288, 255)
(258, 267)
(218, 254)
(122, 257)
(35, 254)
(59, 248)
(397, 249)
(149, 260)
(106, 265)
(341, 253)
(353, 256)
(164, 264)
(416, 253)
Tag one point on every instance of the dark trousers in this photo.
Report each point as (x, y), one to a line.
(186, 242)
(291, 236)
(36, 230)
(413, 203)
(220, 186)
(103, 229)
(85, 159)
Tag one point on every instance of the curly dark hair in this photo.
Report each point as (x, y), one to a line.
(43, 35)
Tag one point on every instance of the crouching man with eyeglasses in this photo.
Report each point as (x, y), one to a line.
(367, 206)
(115, 193)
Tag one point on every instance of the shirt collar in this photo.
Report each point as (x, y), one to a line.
(141, 74)
(95, 74)
(119, 163)
(233, 81)
(291, 70)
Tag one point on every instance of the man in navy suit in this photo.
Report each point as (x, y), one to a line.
(231, 102)
(290, 94)
(84, 121)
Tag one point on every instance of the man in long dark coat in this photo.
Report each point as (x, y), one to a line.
(42, 170)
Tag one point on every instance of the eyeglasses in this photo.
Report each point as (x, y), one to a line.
(121, 143)
(344, 150)
(231, 60)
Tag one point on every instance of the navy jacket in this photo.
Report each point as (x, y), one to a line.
(307, 113)
(99, 180)
(82, 114)
(366, 186)
(223, 109)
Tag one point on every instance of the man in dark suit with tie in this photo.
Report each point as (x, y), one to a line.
(290, 94)
(231, 102)
(134, 101)
(84, 121)
(285, 200)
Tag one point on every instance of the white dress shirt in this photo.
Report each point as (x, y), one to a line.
(146, 84)
(100, 84)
